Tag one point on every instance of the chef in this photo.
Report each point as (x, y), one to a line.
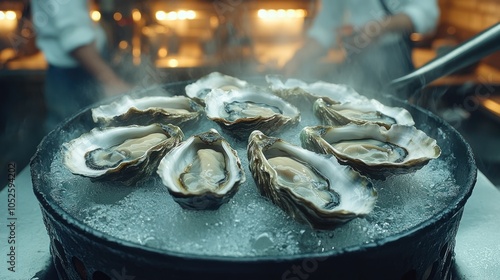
(373, 35)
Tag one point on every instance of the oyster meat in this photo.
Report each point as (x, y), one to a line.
(312, 188)
(242, 111)
(371, 111)
(373, 150)
(202, 172)
(126, 154)
(215, 80)
(175, 110)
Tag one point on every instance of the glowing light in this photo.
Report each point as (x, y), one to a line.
(214, 21)
(136, 15)
(95, 15)
(8, 21)
(262, 13)
(300, 13)
(136, 52)
(117, 16)
(182, 15)
(123, 44)
(173, 62)
(491, 105)
(281, 13)
(172, 16)
(160, 15)
(162, 52)
(191, 14)
(176, 15)
(10, 15)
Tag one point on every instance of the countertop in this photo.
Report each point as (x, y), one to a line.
(477, 251)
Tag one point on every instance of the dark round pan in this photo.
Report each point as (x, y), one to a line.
(424, 251)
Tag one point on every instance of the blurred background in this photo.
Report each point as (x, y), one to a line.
(184, 40)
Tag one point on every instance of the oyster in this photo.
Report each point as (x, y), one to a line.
(310, 187)
(203, 172)
(373, 150)
(242, 111)
(125, 154)
(146, 110)
(371, 111)
(215, 80)
(299, 92)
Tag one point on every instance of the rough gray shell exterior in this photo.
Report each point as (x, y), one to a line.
(127, 172)
(420, 148)
(178, 159)
(334, 113)
(302, 94)
(242, 127)
(176, 110)
(357, 195)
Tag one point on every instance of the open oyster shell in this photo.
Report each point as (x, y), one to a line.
(126, 154)
(215, 80)
(175, 110)
(370, 111)
(312, 188)
(202, 172)
(242, 111)
(373, 150)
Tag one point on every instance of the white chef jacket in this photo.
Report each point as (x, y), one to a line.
(62, 26)
(335, 13)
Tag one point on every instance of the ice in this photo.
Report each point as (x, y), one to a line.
(249, 224)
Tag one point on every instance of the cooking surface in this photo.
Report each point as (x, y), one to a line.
(476, 253)
(248, 225)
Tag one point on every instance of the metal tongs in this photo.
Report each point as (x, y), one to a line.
(466, 53)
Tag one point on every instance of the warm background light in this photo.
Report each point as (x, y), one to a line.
(10, 15)
(176, 15)
(123, 44)
(117, 16)
(8, 21)
(95, 15)
(281, 13)
(173, 62)
(492, 106)
(162, 52)
(136, 15)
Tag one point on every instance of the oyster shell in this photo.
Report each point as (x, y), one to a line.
(203, 172)
(373, 150)
(299, 92)
(126, 154)
(371, 111)
(146, 110)
(242, 111)
(310, 187)
(215, 80)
